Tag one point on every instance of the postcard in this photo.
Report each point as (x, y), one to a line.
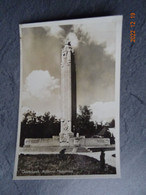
(69, 99)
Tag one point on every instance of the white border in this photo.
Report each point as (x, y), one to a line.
(118, 19)
(117, 91)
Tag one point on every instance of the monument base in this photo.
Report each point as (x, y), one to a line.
(67, 140)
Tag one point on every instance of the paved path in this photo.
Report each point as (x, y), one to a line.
(109, 159)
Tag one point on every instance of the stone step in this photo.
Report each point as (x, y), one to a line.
(82, 149)
(68, 149)
(42, 149)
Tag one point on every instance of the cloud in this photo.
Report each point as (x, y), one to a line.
(100, 33)
(40, 84)
(95, 69)
(103, 111)
(59, 33)
(54, 30)
(73, 38)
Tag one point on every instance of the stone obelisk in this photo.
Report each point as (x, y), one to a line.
(68, 94)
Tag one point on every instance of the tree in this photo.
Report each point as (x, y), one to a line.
(84, 125)
(86, 112)
(112, 123)
(29, 117)
(107, 134)
(44, 126)
(46, 117)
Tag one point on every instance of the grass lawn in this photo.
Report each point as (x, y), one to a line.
(57, 164)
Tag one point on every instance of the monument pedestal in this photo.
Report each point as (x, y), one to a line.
(65, 137)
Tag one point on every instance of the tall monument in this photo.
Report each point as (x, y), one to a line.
(68, 94)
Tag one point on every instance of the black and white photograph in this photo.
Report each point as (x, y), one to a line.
(69, 99)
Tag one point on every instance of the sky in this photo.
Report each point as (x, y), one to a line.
(94, 45)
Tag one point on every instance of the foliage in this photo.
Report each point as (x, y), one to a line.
(33, 126)
(45, 126)
(112, 123)
(84, 125)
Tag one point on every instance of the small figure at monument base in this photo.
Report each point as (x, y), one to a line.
(102, 160)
